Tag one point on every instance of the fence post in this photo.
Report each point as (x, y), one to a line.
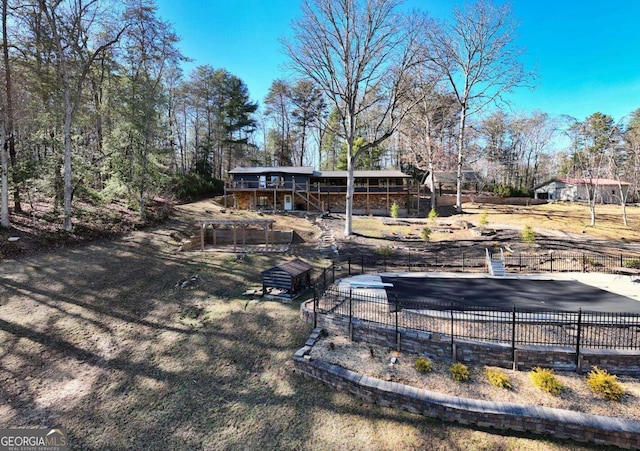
(551, 262)
(397, 332)
(578, 340)
(513, 339)
(584, 263)
(453, 347)
(350, 315)
(621, 261)
(315, 306)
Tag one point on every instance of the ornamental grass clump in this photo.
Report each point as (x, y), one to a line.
(605, 384)
(497, 378)
(422, 365)
(425, 234)
(395, 210)
(484, 219)
(546, 380)
(634, 263)
(528, 235)
(433, 215)
(459, 372)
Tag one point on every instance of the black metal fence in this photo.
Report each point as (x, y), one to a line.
(553, 261)
(515, 327)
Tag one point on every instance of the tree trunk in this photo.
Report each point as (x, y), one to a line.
(348, 223)
(4, 194)
(463, 117)
(68, 113)
(8, 136)
(623, 202)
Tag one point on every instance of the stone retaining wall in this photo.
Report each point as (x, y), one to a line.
(475, 352)
(561, 424)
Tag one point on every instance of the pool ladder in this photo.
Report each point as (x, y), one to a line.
(495, 265)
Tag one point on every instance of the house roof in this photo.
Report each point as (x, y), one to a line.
(598, 181)
(579, 181)
(304, 170)
(451, 177)
(293, 267)
(385, 173)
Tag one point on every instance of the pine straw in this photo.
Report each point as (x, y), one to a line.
(375, 361)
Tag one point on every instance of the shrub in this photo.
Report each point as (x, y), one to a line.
(433, 215)
(425, 234)
(459, 372)
(497, 378)
(604, 384)
(502, 191)
(189, 187)
(384, 251)
(395, 210)
(484, 221)
(545, 380)
(422, 365)
(634, 263)
(528, 235)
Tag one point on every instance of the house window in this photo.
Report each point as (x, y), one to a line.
(360, 183)
(263, 201)
(277, 180)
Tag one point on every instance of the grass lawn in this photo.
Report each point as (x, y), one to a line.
(566, 217)
(98, 339)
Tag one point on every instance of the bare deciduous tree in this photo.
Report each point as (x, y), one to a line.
(359, 54)
(70, 24)
(476, 53)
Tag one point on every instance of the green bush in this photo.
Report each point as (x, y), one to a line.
(634, 263)
(545, 380)
(605, 384)
(189, 187)
(509, 191)
(528, 235)
(484, 221)
(497, 378)
(502, 191)
(395, 210)
(422, 365)
(425, 234)
(433, 215)
(384, 251)
(459, 372)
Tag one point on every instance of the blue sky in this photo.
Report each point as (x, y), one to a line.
(586, 53)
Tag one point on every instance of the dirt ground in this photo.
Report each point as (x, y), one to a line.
(129, 343)
(556, 228)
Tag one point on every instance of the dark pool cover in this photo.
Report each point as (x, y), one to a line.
(505, 293)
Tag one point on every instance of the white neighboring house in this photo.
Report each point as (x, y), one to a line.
(607, 190)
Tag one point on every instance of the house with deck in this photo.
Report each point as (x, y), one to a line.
(302, 188)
